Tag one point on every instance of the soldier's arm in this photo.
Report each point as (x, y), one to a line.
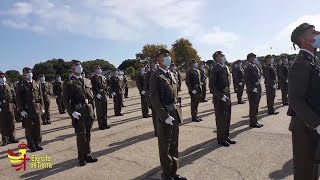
(236, 76)
(146, 82)
(67, 91)
(299, 76)
(162, 114)
(215, 91)
(281, 73)
(19, 95)
(188, 80)
(138, 82)
(248, 78)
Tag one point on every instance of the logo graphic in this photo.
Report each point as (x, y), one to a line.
(19, 160)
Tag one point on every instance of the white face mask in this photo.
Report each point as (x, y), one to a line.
(98, 71)
(59, 79)
(29, 75)
(195, 65)
(223, 60)
(43, 79)
(3, 80)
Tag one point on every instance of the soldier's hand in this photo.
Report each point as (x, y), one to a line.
(201, 83)
(318, 129)
(56, 96)
(169, 120)
(24, 114)
(99, 96)
(225, 98)
(114, 94)
(275, 86)
(255, 90)
(0, 110)
(240, 83)
(194, 92)
(76, 115)
(143, 92)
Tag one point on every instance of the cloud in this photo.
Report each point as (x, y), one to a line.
(115, 19)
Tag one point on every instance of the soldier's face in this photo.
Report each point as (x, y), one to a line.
(308, 37)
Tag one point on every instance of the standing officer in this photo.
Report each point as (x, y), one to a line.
(283, 79)
(126, 88)
(194, 87)
(304, 100)
(164, 98)
(17, 115)
(57, 91)
(30, 104)
(78, 100)
(252, 78)
(116, 92)
(153, 69)
(7, 108)
(279, 62)
(220, 88)
(46, 92)
(144, 97)
(238, 78)
(100, 89)
(203, 83)
(270, 83)
(234, 67)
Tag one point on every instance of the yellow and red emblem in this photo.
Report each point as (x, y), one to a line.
(19, 160)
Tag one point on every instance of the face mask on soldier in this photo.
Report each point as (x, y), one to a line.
(98, 71)
(29, 75)
(42, 79)
(3, 80)
(59, 79)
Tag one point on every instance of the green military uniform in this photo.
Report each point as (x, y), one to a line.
(78, 97)
(100, 88)
(203, 83)
(7, 110)
(283, 82)
(116, 84)
(30, 100)
(125, 86)
(238, 78)
(252, 78)
(140, 80)
(220, 88)
(271, 86)
(147, 89)
(304, 100)
(179, 80)
(46, 91)
(57, 91)
(193, 83)
(164, 98)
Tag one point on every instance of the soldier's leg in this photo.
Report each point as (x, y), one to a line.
(28, 123)
(164, 136)
(146, 105)
(269, 99)
(89, 124)
(58, 104)
(3, 128)
(154, 120)
(239, 93)
(252, 97)
(43, 116)
(303, 154)
(126, 93)
(82, 138)
(193, 107)
(99, 113)
(48, 118)
(63, 109)
(219, 120)
(115, 105)
(11, 127)
(104, 112)
(227, 120)
(121, 102)
(36, 130)
(198, 96)
(174, 144)
(144, 114)
(285, 94)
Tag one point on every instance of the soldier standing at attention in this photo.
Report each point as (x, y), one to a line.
(270, 83)
(220, 88)
(57, 91)
(234, 67)
(283, 79)
(252, 78)
(140, 80)
(203, 83)
(17, 115)
(195, 90)
(7, 110)
(30, 104)
(126, 88)
(164, 98)
(100, 89)
(46, 91)
(238, 78)
(153, 69)
(116, 92)
(279, 62)
(304, 100)
(78, 100)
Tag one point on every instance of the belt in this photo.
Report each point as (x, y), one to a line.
(170, 107)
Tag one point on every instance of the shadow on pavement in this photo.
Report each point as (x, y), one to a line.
(287, 170)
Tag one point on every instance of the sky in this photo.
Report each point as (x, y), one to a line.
(33, 31)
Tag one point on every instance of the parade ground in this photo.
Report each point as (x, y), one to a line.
(129, 150)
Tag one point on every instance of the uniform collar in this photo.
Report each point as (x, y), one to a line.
(312, 54)
(165, 71)
(222, 65)
(76, 76)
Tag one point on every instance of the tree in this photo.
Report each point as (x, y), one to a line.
(127, 63)
(149, 51)
(45, 68)
(11, 74)
(184, 52)
(130, 71)
(89, 66)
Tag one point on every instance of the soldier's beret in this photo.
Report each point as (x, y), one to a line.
(162, 51)
(217, 53)
(74, 62)
(1, 73)
(298, 31)
(268, 57)
(250, 55)
(25, 69)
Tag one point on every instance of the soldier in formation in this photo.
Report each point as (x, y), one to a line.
(164, 99)
(57, 92)
(116, 88)
(238, 79)
(283, 79)
(46, 92)
(140, 80)
(203, 83)
(79, 102)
